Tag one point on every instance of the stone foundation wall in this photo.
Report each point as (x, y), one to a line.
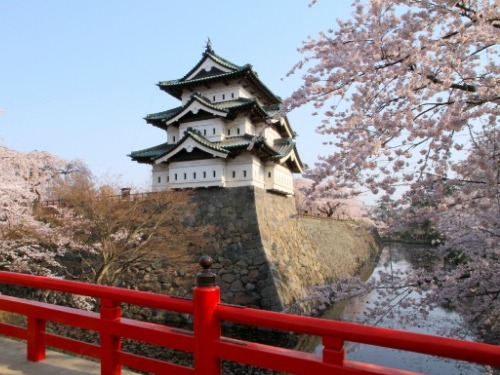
(266, 256)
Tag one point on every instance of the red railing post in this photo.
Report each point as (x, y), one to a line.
(36, 342)
(110, 345)
(333, 351)
(206, 297)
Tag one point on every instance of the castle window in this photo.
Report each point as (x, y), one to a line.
(204, 131)
(214, 98)
(269, 174)
(214, 174)
(238, 130)
(185, 175)
(194, 175)
(175, 177)
(232, 95)
(159, 180)
(234, 174)
(204, 174)
(228, 131)
(244, 173)
(173, 138)
(223, 96)
(213, 131)
(168, 178)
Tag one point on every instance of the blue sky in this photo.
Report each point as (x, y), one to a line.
(77, 77)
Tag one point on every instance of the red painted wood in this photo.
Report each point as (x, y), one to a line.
(205, 342)
(36, 344)
(110, 344)
(388, 338)
(73, 346)
(133, 297)
(207, 330)
(13, 331)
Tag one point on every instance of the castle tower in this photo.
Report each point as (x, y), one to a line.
(227, 132)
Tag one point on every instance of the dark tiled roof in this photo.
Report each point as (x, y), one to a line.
(149, 154)
(175, 87)
(230, 106)
(216, 58)
(227, 145)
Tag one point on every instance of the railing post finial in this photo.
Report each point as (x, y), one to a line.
(206, 277)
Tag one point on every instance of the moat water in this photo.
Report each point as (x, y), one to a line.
(400, 257)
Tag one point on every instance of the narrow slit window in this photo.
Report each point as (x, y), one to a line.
(234, 174)
(173, 138)
(269, 174)
(194, 175)
(159, 180)
(228, 131)
(204, 131)
(238, 130)
(175, 177)
(213, 131)
(204, 174)
(214, 174)
(223, 96)
(214, 98)
(232, 95)
(185, 176)
(244, 173)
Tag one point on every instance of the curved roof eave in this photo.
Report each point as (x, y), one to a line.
(199, 142)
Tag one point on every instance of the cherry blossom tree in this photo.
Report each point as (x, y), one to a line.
(308, 202)
(408, 94)
(24, 181)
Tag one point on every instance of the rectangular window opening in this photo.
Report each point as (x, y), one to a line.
(234, 174)
(185, 175)
(194, 175)
(244, 173)
(204, 174)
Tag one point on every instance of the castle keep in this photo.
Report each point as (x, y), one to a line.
(227, 132)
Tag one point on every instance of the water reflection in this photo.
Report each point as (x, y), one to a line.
(394, 258)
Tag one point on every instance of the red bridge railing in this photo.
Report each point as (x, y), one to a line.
(205, 341)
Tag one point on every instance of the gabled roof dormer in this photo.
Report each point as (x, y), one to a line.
(191, 141)
(210, 65)
(212, 69)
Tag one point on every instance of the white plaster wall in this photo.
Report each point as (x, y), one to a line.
(270, 134)
(198, 173)
(239, 171)
(212, 129)
(173, 134)
(278, 178)
(217, 92)
(160, 177)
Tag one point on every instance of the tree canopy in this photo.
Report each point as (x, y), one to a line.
(408, 94)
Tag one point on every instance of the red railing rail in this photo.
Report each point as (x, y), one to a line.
(205, 341)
